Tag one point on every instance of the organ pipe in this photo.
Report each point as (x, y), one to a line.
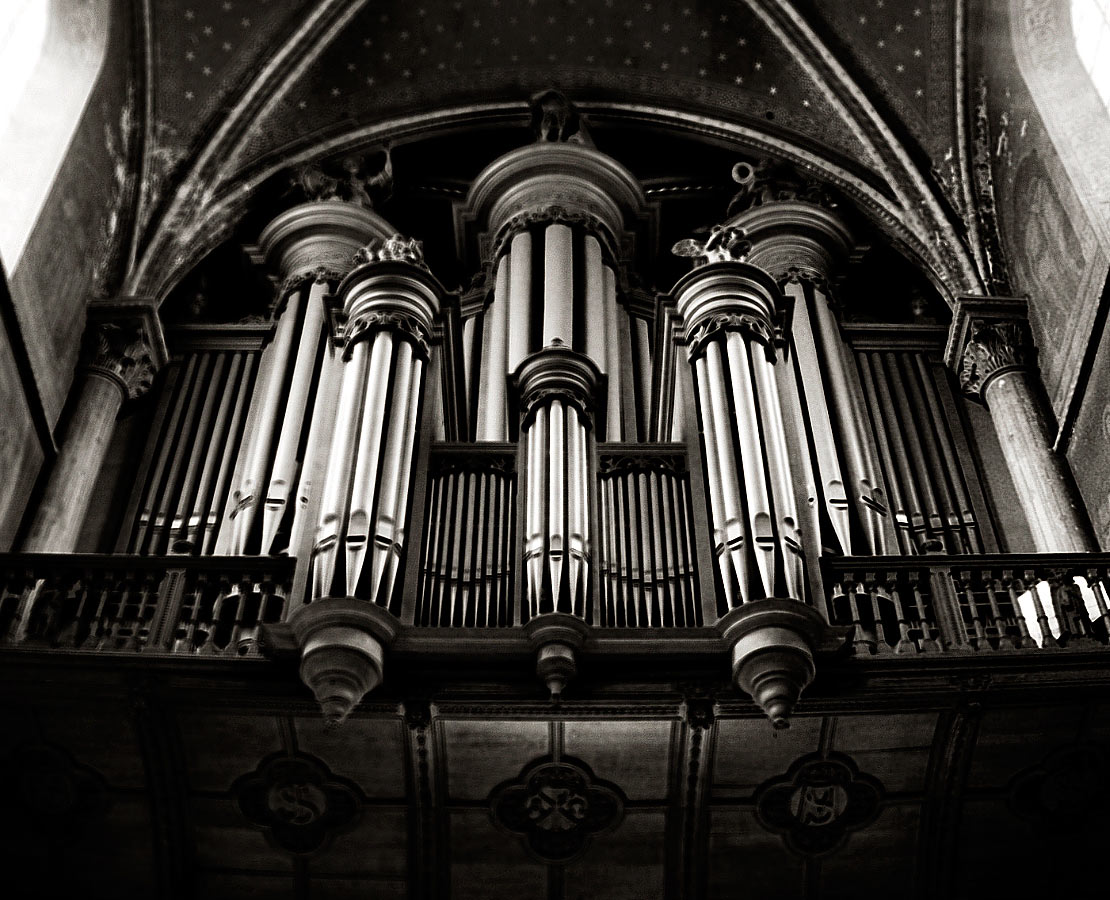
(728, 309)
(557, 388)
(390, 302)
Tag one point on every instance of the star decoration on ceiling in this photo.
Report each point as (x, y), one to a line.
(670, 39)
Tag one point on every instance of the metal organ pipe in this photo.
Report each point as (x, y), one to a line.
(390, 306)
(728, 309)
(312, 245)
(557, 387)
(284, 470)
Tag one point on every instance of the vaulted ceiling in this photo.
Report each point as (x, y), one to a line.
(862, 92)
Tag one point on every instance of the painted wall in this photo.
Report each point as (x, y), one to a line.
(1056, 236)
(54, 277)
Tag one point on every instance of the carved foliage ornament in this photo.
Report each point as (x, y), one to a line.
(555, 214)
(724, 244)
(121, 353)
(395, 248)
(297, 801)
(576, 398)
(994, 348)
(556, 808)
(330, 270)
(754, 326)
(364, 326)
(818, 802)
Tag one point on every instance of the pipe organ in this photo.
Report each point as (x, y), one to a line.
(556, 445)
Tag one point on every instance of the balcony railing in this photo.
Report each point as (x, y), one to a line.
(996, 603)
(193, 606)
(895, 607)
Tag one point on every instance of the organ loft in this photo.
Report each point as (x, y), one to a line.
(663, 465)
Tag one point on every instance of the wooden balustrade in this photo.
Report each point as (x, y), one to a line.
(211, 606)
(993, 603)
(890, 606)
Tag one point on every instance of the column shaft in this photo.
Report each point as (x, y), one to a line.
(1044, 483)
(57, 522)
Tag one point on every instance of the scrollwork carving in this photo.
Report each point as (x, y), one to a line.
(612, 465)
(994, 348)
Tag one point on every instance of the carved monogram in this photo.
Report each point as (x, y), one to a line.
(818, 802)
(1067, 791)
(52, 793)
(556, 808)
(297, 801)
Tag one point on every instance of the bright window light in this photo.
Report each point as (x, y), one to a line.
(22, 35)
(1090, 23)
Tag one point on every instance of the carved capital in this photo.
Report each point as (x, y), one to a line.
(316, 241)
(410, 327)
(125, 344)
(994, 349)
(803, 275)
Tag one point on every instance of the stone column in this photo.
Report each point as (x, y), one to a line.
(992, 345)
(390, 301)
(124, 349)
